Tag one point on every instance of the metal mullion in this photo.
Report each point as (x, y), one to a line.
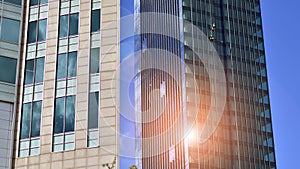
(64, 125)
(30, 128)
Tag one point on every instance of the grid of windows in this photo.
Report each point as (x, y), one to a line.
(34, 72)
(66, 72)
(29, 144)
(30, 129)
(93, 111)
(64, 124)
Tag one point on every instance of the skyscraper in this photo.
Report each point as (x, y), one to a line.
(155, 83)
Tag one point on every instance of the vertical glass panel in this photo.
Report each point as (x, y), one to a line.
(29, 71)
(73, 24)
(25, 126)
(63, 26)
(36, 119)
(70, 113)
(17, 2)
(33, 2)
(61, 66)
(39, 73)
(10, 30)
(95, 59)
(72, 64)
(8, 69)
(31, 32)
(93, 110)
(42, 30)
(59, 115)
(95, 22)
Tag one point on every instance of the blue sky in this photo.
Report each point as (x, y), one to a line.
(281, 22)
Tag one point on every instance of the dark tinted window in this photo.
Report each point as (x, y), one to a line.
(95, 59)
(29, 71)
(33, 2)
(42, 30)
(95, 22)
(32, 32)
(63, 26)
(73, 24)
(10, 30)
(8, 69)
(93, 110)
(70, 114)
(25, 127)
(72, 64)
(36, 119)
(39, 73)
(17, 2)
(61, 66)
(59, 115)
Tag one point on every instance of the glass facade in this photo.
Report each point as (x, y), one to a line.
(33, 84)
(243, 137)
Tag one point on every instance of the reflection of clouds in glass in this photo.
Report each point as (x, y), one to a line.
(59, 115)
(72, 64)
(36, 119)
(25, 120)
(70, 113)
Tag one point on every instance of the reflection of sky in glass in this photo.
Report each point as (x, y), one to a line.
(127, 127)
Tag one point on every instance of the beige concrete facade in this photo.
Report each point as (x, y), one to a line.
(81, 157)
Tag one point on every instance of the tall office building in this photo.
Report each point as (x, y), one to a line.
(86, 81)
(208, 37)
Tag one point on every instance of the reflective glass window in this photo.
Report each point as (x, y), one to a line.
(29, 71)
(33, 2)
(17, 2)
(93, 110)
(68, 25)
(34, 71)
(73, 24)
(63, 25)
(25, 127)
(36, 119)
(70, 114)
(10, 30)
(32, 32)
(42, 30)
(64, 116)
(95, 22)
(95, 59)
(36, 2)
(61, 66)
(37, 31)
(72, 64)
(59, 115)
(39, 73)
(8, 69)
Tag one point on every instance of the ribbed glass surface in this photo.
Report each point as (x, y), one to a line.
(243, 137)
